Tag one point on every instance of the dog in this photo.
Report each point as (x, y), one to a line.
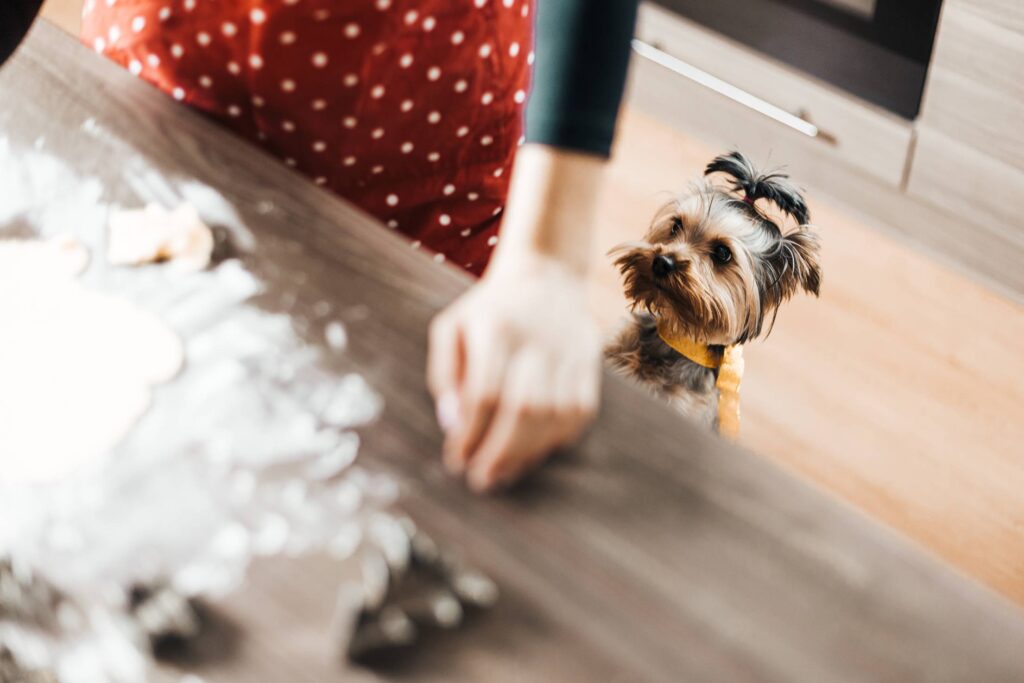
(708, 277)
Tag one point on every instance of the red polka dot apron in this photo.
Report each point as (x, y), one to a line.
(411, 109)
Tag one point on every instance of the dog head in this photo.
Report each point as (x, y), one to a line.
(713, 265)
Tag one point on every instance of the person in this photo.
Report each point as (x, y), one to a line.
(413, 109)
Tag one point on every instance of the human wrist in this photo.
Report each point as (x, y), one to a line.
(549, 215)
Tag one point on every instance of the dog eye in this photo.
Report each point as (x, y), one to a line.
(677, 226)
(720, 254)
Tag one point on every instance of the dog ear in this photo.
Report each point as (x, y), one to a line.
(801, 254)
(774, 186)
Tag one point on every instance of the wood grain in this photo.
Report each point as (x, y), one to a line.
(652, 552)
(975, 90)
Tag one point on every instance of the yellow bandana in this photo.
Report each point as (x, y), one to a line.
(729, 364)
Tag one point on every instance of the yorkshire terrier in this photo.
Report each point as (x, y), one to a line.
(715, 265)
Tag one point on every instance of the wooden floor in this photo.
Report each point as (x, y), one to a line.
(901, 390)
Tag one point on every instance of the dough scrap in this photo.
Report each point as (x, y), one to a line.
(153, 234)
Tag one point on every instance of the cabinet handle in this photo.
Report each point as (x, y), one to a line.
(735, 94)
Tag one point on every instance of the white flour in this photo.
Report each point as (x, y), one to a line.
(248, 451)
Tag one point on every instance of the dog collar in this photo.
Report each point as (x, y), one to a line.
(729, 363)
(698, 352)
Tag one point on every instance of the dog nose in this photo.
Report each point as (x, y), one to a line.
(662, 265)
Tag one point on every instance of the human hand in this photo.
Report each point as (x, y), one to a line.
(515, 367)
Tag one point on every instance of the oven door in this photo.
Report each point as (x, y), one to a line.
(876, 49)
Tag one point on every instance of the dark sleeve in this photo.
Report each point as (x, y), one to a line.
(582, 50)
(15, 19)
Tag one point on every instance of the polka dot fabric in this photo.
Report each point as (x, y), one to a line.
(411, 109)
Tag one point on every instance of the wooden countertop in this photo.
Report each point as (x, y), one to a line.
(653, 552)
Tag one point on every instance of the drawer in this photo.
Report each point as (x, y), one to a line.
(853, 132)
(969, 184)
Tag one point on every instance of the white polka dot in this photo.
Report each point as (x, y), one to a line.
(411, 16)
(205, 81)
(472, 196)
(458, 37)
(377, 92)
(485, 50)
(288, 126)
(486, 140)
(392, 200)
(178, 94)
(462, 132)
(153, 60)
(292, 2)
(352, 30)
(495, 213)
(519, 97)
(406, 147)
(465, 233)
(383, 4)
(479, 3)
(320, 59)
(258, 101)
(349, 161)
(526, 10)
(350, 80)
(287, 37)
(429, 23)
(507, 3)
(189, 5)
(89, 6)
(255, 61)
(379, 48)
(530, 57)
(434, 116)
(164, 14)
(407, 105)
(493, 239)
(439, 257)
(377, 133)
(138, 23)
(228, 29)
(448, 190)
(434, 73)
(376, 170)
(433, 157)
(322, 14)
(349, 122)
(513, 50)
(320, 180)
(319, 146)
(99, 45)
(203, 38)
(461, 85)
(288, 85)
(177, 51)
(405, 61)
(234, 68)
(318, 105)
(487, 98)
(234, 111)
(135, 67)
(113, 34)
(444, 219)
(290, 162)
(498, 172)
(257, 16)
